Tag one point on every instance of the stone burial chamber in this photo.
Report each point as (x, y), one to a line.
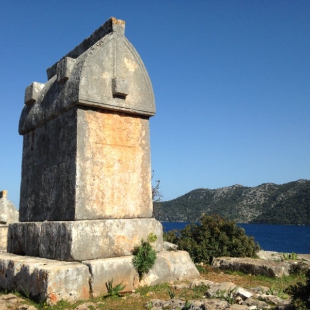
(86, 196)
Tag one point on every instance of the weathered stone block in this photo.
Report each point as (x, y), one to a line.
(169, 266)
(44, 280)
(113, 166)
(64, 68)
(87, 164)
(82, 240)
(24, 238)
(120, 87)
(32, 92)
(118, 269)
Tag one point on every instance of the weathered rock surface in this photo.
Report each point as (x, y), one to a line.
(219, 294)
(51, 281)
(168, 246)
(171, 266)
(253, 266)
(8, 214)
(82, 240)
(44, 280)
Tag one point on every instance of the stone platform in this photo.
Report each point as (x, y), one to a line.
(52, 281)
(82, 240)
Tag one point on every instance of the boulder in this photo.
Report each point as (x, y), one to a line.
(253, 266)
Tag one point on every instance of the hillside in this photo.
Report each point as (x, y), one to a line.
(267, 203)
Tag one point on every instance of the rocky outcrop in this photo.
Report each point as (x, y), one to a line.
(270, 264)
(253, 266)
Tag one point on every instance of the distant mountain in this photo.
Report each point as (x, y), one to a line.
(267, 203)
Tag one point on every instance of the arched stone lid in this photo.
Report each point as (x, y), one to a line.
(104, 71)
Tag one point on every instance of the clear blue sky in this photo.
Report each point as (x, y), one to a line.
(231, 82)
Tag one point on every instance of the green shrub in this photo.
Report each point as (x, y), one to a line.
(213, 237)
(300, 294)
(144, 258)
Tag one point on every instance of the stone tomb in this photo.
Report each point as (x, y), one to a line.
(86, 193)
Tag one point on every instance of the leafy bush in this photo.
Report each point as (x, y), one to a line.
(144, 258)
(213, 237)
(300, 294)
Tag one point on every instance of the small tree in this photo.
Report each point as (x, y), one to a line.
(156, 194)
(213, 237)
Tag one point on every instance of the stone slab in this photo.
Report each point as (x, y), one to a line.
(44, 280)
(169, 266)
(118, 269)
(51, 281)
(82, 240)
(253, 266)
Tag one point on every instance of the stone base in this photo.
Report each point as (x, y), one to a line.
(44, 280)
(3, 237)
(51, 281)
(82, 240)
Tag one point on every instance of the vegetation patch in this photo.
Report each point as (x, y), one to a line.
(144, 256)
(213, 237)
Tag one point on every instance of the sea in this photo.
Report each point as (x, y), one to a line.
(278, 238)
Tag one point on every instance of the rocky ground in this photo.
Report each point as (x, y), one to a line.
(215, 289)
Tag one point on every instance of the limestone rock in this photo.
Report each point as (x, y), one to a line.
(243, 293)
(215, 304)
(168, 246)
(253, 266)
(251, 302)
(219, 289)
(171, 266)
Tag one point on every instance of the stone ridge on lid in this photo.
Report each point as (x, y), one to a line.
(111, 25)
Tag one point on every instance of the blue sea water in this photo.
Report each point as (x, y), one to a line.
(279, 238)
